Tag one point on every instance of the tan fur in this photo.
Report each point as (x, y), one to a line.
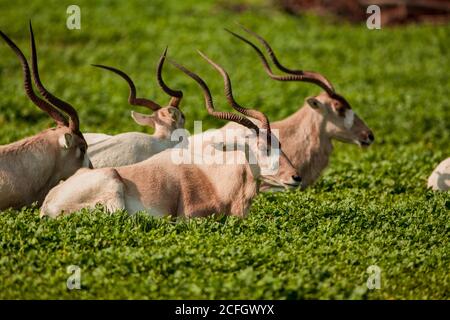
(306, 136)
(160, 186)
(133, 147)
(29, 168)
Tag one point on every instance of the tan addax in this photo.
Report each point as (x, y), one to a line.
(133, 147)
(307, 134)
(30, 167)
(159, 186)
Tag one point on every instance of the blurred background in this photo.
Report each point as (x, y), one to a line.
(394, 11)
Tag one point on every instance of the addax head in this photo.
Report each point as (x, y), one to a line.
(68, 140)
(164, 119)
(272, 165)
(276, 169)
(342, 123)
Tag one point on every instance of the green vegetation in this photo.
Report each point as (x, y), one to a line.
(371, 207)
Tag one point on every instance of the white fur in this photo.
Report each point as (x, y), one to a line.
(92, 138)
(132, 147)
(125, 149)
(349, 118)
(160, 187)
(96, 185)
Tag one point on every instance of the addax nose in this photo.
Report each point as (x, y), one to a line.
(297, 178)
(367, 138)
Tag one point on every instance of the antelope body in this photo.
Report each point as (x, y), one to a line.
(161, 186)
(307, 135)
(440, 178)
(132, 147)
(29, 168)
(126, 148)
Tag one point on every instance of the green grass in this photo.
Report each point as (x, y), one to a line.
(371, 207)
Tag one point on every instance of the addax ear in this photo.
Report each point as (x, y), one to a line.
(66, 141)
(314, 103)
(143, 119)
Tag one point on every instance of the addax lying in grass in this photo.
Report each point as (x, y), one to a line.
(440, 178)
(133, 147)
(160, 186)
(29, 168)
(307, 134)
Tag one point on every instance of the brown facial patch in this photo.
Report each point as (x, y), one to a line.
(340, 109)
(340, 105)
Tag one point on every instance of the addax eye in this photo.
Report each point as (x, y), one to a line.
(340, 109)
(82, 149)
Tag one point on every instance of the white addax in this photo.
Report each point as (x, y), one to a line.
(30, 167)
(307, 135)
(159, 186)
(132, 147)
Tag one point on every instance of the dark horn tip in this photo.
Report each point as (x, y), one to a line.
(233, 33)
(165, 52)
(31, 28)
(99, 66)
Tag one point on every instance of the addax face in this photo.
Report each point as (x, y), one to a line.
(276, 169)
(341, 121)
(72, 152)
(168, 118)
(171, 117)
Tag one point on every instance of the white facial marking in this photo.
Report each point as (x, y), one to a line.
(269, 164)
(349, 118)
(63, 141)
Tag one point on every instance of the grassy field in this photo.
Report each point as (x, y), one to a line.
(371, 207)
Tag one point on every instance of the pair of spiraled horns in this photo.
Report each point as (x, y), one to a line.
(228, 91)
(176, 95)
(51, 105)
(293, 75)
